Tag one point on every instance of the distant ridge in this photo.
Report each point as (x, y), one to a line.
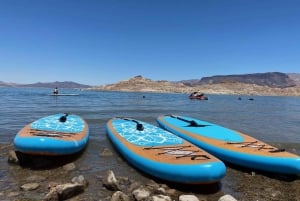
(66, 84)
(272, 79)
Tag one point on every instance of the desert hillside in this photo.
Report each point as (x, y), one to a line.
(139, 83)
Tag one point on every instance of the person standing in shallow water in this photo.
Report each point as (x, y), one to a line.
(55, 91)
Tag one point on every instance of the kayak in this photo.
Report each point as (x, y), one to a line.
(58, 134)
(162, 154)
(232, 146)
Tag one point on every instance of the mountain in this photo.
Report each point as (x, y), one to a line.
(7, 84)
(66, 84)
(250, 84)
(272, 79)
(139, 83)
(295, 77)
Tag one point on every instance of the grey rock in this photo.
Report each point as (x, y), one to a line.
(64, 191)
(119, 196)
(188, 198)
(161, 198)
(110, 181)
(80, 180)
(227, 198)
(30, 186)
(12, 157)
(141, 194)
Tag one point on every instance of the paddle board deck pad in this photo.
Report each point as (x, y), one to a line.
(232, 146)
(57, 134)
(162, 154)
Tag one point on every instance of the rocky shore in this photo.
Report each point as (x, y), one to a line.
(71, 181)
(113, 188)
(141, 84)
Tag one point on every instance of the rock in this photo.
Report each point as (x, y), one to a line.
(69, 167)
(12, 157)
(161, 190)
(119, 196)
(106, 152)
(171, 192)
(227, 198)
(30, 186)
(152, 185)
(52, 184)
(69, 190)
(161, 198)
(134, 185)
(80, 180)
(64, 191)
(141, 194)
(52, 196)
(188, 198)
(110, 181)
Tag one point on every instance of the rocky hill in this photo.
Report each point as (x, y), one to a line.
(138, 83)
(295, 77)
(273, 79)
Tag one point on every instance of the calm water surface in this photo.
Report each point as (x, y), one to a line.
(272, 119)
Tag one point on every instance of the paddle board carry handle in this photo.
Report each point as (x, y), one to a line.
(192, 123)
(255, 145)
(63, 118)
(139, 126)
(180, 152)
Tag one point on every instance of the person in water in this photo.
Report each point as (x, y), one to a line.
(196, 94)
(55, 91)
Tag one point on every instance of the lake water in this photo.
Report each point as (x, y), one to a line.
(275, 120)
(271, 119)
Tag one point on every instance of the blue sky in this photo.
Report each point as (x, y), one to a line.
(105, 41)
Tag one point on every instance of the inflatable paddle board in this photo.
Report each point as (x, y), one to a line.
(232, 146)
(63, 94)
(162, 154)
(58, 134)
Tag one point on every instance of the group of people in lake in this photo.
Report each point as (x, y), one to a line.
(198, 95)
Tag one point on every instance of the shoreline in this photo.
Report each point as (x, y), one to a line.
(240, 183)
(216, 89)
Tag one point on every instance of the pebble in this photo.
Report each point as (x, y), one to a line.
(227, 198)
(188, 198)
(30, 186)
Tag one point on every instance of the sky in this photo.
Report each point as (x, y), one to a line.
(98, 42)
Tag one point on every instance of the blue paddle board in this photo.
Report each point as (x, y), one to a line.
(232, 146)
(58, 134)
(162, 154)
